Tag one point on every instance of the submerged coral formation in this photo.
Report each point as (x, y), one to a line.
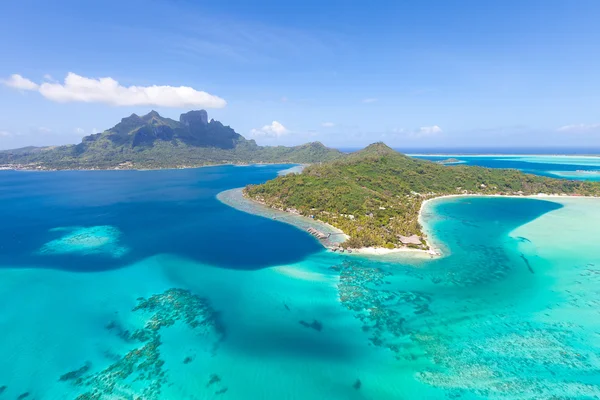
(316, 325)
(382, 312)
(520, 360)
(74, 375)
(214, 382)
(98, 240)
(496, 353)
(140, 373)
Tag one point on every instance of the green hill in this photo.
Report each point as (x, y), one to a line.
(375, 195)
(152, 141)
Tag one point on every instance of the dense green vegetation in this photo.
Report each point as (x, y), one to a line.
(375, 195)
(152, 141)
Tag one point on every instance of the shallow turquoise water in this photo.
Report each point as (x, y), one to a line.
(100, 307)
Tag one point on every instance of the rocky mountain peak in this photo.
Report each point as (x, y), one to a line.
(194, 117)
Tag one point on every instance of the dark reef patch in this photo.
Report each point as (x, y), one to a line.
(77, 374)
(316, 325)
(527, 263)
(141, 370)
(214, 378)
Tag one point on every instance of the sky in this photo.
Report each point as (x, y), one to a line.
(413, 74)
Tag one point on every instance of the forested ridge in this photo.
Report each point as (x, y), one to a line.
(375, 195)
(153, 142)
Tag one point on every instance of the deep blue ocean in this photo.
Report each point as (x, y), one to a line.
(169, 211)
(142, 284)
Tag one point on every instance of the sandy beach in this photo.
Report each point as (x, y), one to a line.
(236, 199)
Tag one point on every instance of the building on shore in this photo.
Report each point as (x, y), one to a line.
(407, 240)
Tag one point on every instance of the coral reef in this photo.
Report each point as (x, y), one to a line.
(140, 372)
(215, 381)
(316, 325)
(95, 240)
(482, 347)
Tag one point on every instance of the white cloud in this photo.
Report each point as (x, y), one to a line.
(5, 134)
(276, 129)
(328, 124)
(81, 131)
(422, 132)
(369, 100)
(43, 129)
(77, 88)
(428, 130)
(16, 81)
(579, 128)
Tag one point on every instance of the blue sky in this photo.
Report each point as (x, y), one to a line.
(413, 74)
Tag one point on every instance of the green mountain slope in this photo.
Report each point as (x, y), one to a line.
(375, 195)
(151, 141)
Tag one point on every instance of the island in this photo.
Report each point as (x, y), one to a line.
(154, 142)
(375, 195)
(450, 161)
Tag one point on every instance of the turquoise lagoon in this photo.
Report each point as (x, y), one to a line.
(127, 284)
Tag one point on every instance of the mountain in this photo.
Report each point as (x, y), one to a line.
(374, 195)
(152, 141)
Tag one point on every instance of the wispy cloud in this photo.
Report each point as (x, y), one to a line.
(422, 132)
(207, 48)
(81, 131)
(248, 42)
(107, 90)
(579, 128)
(428, 131)
(274, 130)
(327, 124)
(369, 100)
(16, 81)
(5, 134)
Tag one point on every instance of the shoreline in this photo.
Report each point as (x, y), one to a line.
(434, 250)
(2, 168)
(303, 222)
(236, 199)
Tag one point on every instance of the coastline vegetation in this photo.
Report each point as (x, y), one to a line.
(375, 195)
